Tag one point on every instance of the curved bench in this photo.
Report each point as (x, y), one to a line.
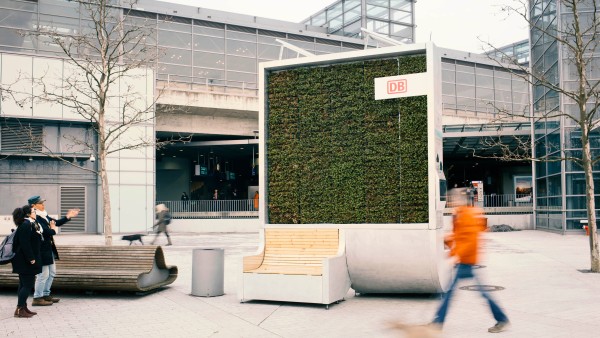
(96, 267)
(306, 265)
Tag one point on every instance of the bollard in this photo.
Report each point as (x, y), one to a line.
(208, 272)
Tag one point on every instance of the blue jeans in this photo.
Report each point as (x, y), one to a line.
(43, 281)
(465, 271)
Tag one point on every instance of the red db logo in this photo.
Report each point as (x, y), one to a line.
(396, 86)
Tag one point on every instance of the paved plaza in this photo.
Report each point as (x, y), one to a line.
(545, 295)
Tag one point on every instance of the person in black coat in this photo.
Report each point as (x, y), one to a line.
(43, 281)
(28, 259)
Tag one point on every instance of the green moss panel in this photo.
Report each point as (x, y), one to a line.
(335, 155)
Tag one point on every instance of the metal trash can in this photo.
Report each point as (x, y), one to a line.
(208, 272)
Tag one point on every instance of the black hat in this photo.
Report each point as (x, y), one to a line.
(35, 200)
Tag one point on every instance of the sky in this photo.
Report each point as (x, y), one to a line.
(456, 24)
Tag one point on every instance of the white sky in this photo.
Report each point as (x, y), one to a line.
(456, 24)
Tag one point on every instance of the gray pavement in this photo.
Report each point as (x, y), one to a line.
(544, 296)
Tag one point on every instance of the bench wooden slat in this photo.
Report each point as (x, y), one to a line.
(297, 251)
(91, 267)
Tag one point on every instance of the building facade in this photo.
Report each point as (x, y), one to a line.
(206, 92)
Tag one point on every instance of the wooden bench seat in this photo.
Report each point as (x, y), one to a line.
(297, 265)
(96, 267)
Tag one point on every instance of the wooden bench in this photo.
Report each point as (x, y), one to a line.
(305, 265)
(95, 267)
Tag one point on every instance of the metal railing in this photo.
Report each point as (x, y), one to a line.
(502, 204)
(197, 209)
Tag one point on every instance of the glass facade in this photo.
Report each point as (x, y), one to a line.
(392, 18)
(560, 185)
(517, 52)
(192, 52)
(475, 89)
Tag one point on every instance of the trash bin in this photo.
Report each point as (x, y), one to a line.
(208, 272)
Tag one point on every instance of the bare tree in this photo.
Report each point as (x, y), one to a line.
(106, 56)
(571, 27)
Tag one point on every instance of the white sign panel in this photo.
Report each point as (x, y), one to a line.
(407, 85)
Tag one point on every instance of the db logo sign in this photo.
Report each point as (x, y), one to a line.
(397, 86)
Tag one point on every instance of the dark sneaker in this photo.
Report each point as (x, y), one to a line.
(499, 327)
(40, 301)
(52, 299)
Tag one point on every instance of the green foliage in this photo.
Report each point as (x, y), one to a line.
(335, 155)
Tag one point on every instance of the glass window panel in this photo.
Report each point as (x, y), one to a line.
(485, 94)
(378, 12)
(351, 14)
(405, 5)
(503, 96)
(241, 36)
(465, 69)
(174, 26)
(403, 31)
(174, 39)
(448, 76)
(210, 60)
(400, 16)
(69, 26)
(448, 66)
(353, 30)
(501, 74)
(174, 70)
(318, 20)
(241, 64)
(484, 71)
(448, 89)
(211, 44)
(485, 81)
(378, 26)
(465, 103)
(62, 8)
(351, 4)
(384, 3)
(209, 74)
(519, 85)
(11, 37)
(576, 202)
(576, 184)
(520, 99)
(268, 52)
(464, 78)
(502, 84)
(449, 102)
(334, 11)
(465, 91)
(218, 32)
(241, 48)
(23, 5)
(336, 23)
(177, 56)
(17, 19)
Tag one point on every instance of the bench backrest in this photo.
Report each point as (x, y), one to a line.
(303, 247)
(101, 257)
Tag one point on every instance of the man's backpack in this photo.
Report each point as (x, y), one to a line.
(6, 248)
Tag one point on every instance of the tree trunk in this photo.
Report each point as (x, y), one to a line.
(105, 201)
(591, 203)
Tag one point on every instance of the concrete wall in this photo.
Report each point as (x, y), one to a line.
(516, 221)
(215, 225)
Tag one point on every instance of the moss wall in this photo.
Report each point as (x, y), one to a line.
(335, 155)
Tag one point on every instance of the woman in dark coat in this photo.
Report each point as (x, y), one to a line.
(28, 260)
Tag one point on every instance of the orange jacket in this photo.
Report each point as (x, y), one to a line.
(464, 241)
